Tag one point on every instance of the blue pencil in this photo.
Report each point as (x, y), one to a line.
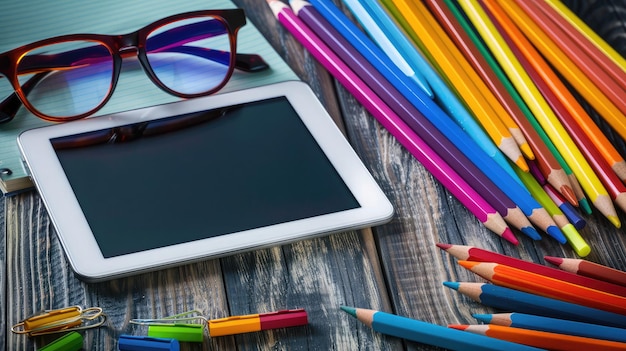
(554, 325)
(517, 301)
(520, 195)
(380, 27)
(431, 334)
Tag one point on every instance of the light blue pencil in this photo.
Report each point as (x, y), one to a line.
(380, 26)
(431, 334)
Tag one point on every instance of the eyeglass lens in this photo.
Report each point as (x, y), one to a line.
(66, 79)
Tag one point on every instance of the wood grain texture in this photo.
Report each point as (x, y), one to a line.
(394, 267)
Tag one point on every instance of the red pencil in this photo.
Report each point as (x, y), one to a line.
(589, 269)
(537, 284)
(471, 253)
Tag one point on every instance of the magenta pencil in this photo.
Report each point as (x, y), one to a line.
(400, 130)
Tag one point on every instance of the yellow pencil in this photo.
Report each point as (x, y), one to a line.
(587, 32)
(456, 72)
(574, 75)
(539, 106)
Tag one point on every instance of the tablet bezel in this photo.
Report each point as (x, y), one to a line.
(83, 252)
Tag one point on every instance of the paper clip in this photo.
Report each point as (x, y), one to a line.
(179, 327)
(61, 320)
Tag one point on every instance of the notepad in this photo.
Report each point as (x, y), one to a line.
(30, 20)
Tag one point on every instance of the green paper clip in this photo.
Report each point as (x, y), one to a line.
(68, 342)
(180, 332)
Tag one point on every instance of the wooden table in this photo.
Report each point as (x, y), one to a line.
(394, 267)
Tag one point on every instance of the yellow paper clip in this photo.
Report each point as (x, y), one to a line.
(61, 320)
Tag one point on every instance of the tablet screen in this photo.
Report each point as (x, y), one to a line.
(179, 179)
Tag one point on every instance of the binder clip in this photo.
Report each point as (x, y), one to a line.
(61, 320)
(179, 327)
(146, 343)
(69, 342)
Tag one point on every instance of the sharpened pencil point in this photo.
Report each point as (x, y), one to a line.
(615, 220)
(531, 232)
(521, 163)
(452, 285)
(349, 310)
(584, 204)
(444, 246)
(509, 236)
(556, 233)
(569, 195)
(468, 264)
(553, 260)
(485, 318)
(527, 151)
(457, 326)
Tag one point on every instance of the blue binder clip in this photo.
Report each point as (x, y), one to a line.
(146, 343)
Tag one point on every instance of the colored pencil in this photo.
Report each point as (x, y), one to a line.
(570, 232)
(481, 60)
(506, 299)
(553, 325)
(584, 85)
(515, 278)
(408, 112)
(565, 45)
(606, 148)
(570, 212)
(588, 33)
(427, 333)
(375, 20)
(430, 109)
(459, 73)
(548, 120)
(420, 150)
(475, 254)
(534, 338)
(559, 98)
(589, 269)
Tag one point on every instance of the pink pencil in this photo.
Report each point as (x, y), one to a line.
(400, 130)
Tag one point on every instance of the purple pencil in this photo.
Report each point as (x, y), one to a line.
(411, 115)
(474, 202)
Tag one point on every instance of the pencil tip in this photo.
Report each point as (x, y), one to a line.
(349, 310)
(468, 264)
(457, 326)
(444, 246)
(615, 220)
(485, 318)
(531, 232)
(510, 237)
(584, 203)
(556, 233)
(452, 285)
(527, 151)
(569, 194)
(553, 260)
(521, 163)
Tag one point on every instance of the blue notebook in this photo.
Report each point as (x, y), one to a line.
(27, 21)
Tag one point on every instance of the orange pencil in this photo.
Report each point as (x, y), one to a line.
(541, 339)
(537, 284)
(609, 111)
(605, 82)
(476, 56)
(472, 90)
(589, 269)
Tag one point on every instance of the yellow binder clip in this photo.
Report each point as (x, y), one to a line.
(61, 320)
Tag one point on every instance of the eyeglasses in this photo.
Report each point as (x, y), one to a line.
(70, 77)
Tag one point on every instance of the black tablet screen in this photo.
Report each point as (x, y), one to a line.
(180, 179)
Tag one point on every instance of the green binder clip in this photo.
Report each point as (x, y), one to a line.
(180, 332)
(69, 342)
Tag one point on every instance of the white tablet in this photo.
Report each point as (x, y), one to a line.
(171, 184)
